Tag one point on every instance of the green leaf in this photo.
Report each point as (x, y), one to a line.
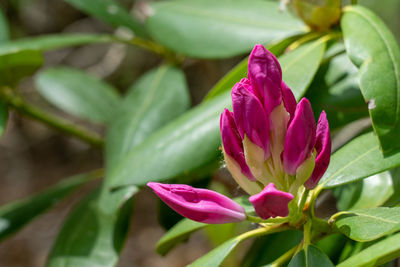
(183, 229)
(192, 139)
(373, 48)
(155, 99)
(217, 29)
(312, 257)
(356, 160)
(90, 237)
(111, 12)
(240, 70)
(216, 256)
(367, 224)
(300, 65)
(50, 42)
(371, 192)
(3, 117)
(266, 249)
(379, 253)
(4, 32)
(14, 67)
(180, 232)
(78, 93)
(15, 215)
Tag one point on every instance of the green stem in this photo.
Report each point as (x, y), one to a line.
(284, 258)
(303, 200)
(18, 104)
(272, 220)
(265, 230)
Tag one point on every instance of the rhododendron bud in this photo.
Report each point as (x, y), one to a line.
(250, 117)
(288, 100)
(200, 205)
(232, 142)
(300, 137)
(265, 76)
(323, 148)
(271, 202)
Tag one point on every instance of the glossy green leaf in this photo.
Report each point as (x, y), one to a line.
(158, 97)
(373, 48)
(3, 117)
(332, 246)
(240, 70)
(15, 215)
(312, 257)
(216, 29)
(78, 93)
(14, 67)
(111, 12)
(50, 42)
(379, 253)
(183, 229)
(4, 32)
(395, 197)
(371, 192)
(300, 65)
(356, 160)
(192, 139)
(90, 237)
(367, 224)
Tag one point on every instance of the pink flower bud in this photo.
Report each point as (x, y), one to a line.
(232, 142)
(323, 148)
(200, 205)
(289, 100)
(265, 76)
(300, 137)
(271, 202)
(250, 117)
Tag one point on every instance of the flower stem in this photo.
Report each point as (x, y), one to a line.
(284, 258)
(271, 220)
(303, 199)
(17, 103)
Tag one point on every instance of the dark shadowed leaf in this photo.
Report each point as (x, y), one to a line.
(216, 29)
(312, 257)
(4, 32)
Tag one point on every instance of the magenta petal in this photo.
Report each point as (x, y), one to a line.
(289, 101)
(200, 205)
(271, 202)
(232, 142)
(300, 137)
(250, 117)
(265, 76)
(323, 148)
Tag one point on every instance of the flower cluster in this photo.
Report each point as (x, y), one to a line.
(271, 144)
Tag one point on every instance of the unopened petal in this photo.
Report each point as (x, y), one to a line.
(232, 142)
(323, 147)
(271, 202)
(250, 117)
(288, 100)
(265, 76)
(300, 137)
(201, 205)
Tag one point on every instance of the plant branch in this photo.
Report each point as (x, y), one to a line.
(15, 102)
